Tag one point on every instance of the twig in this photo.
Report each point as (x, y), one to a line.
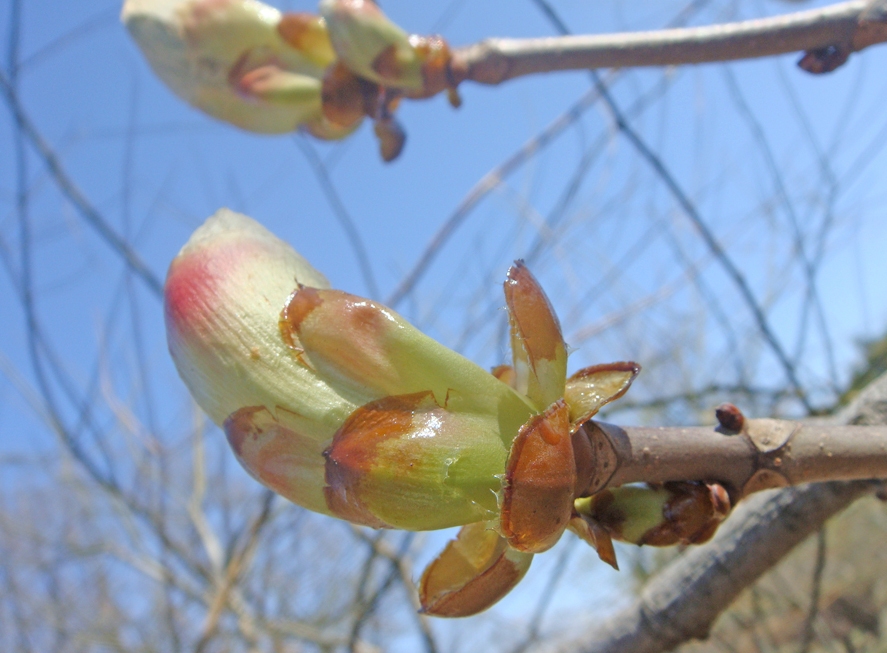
(342, 215)
(830, 34)
(74, 195)
(815, 592)
(768, 453)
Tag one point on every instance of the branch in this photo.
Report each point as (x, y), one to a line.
(683, 601)
(828, 35)
(766, 454)
(74, 195)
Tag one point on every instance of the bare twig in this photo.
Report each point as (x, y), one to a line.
(483, 187)
(342, 215)
(768, 453)
(74, 195)
(830, 34)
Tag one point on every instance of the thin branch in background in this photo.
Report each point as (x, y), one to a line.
(828, 178)
(712, 300)
(74, 195)
(760, 625)
(447, 16)
(809, 265)
(815, 593)
(145, 389)
(482, 188)
(690, 210)
(366, 569)
(589, 157)
(398, 559)
(491, 309)
(534, 627)
(26, 265)
(341, 213)
(371, 603)
(239, 555)
(105, 18)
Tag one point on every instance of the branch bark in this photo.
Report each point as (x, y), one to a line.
(765, 454)
(828, 35)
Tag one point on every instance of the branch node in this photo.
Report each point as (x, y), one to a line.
(764, 479)
(604, 446)
(768, 435)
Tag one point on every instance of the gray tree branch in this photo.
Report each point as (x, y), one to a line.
(828, 34)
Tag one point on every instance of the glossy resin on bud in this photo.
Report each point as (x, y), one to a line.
(240, 61)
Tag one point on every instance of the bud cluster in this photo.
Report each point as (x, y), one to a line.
(266, 71)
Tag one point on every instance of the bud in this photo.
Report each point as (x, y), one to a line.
(389, 427)
(338, 404)
(371, 45)
(660, 515)
(240, 61)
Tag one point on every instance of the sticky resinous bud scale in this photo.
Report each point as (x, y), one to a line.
(341, 406)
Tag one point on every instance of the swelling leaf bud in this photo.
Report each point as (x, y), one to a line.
(333, 400)
(340, 405)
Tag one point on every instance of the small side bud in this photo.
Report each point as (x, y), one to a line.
(673, 513)
(392, 138)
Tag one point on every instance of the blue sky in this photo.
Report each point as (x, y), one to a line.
(625, 269)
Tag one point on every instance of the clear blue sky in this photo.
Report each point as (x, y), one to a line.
(155, 169)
